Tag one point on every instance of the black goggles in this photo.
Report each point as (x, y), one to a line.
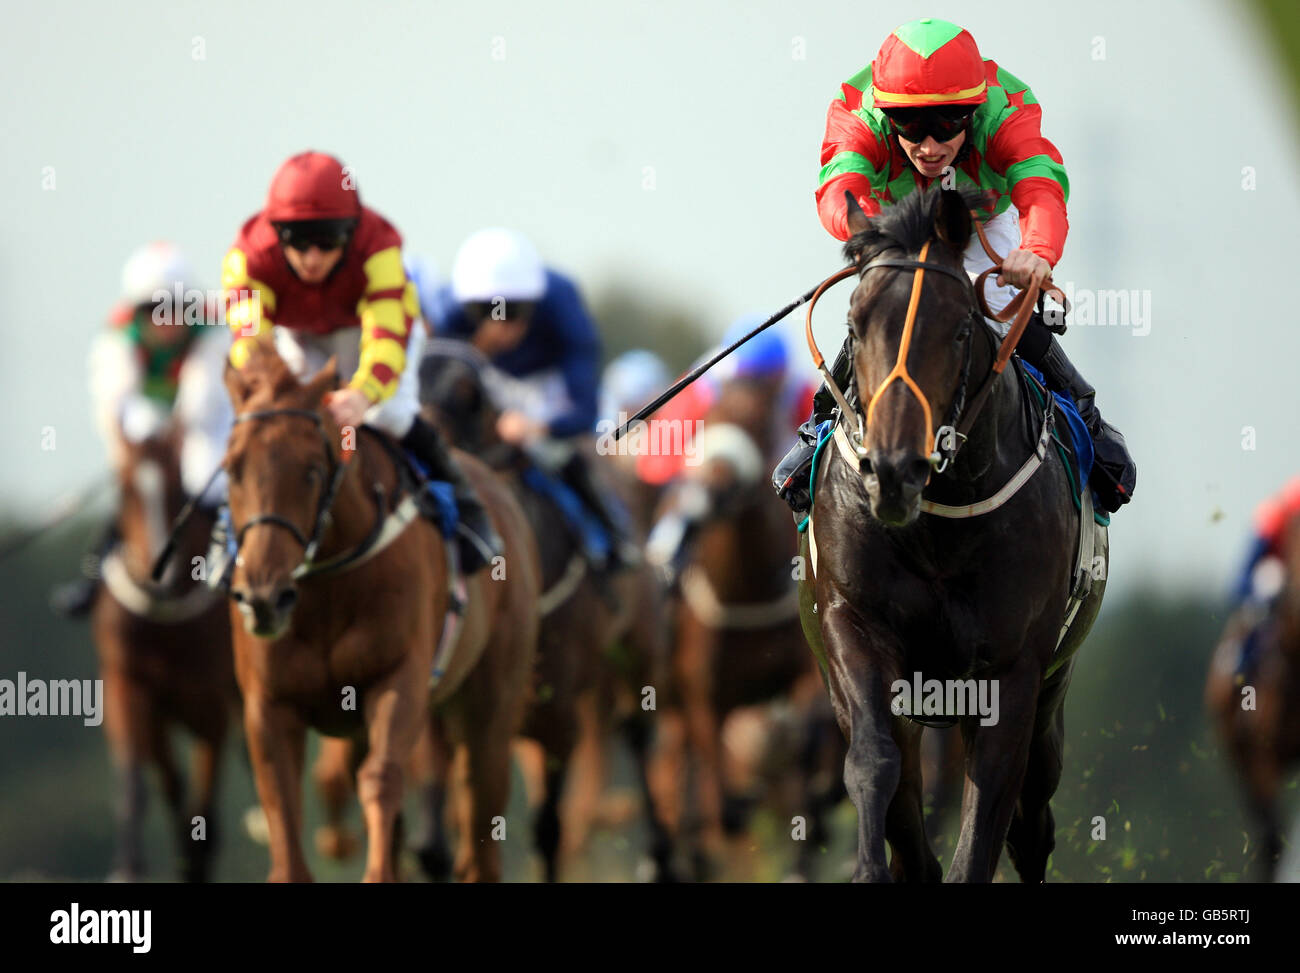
(914, 124)
(499, 310)
(322, 234)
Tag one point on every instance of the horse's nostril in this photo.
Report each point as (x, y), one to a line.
(919, 469)
(286, 599)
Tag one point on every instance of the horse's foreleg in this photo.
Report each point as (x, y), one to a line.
(434, 763)
(1032, 834)
(206, 764)
(395, 711)
(996, 759)
(1263, 777)
(333, 774)
(913, 859)
(487, 791)
(276, 739)
(859, 689)
(126, 716)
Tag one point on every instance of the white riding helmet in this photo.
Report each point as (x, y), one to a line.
(157, 267)
(497, 263)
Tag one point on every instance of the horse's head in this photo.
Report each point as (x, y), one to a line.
(454, 395)
(284, 455)
(149, 483)
(912, 339)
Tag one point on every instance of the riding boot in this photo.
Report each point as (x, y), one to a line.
(790, 478)
(613, 516)
(479, 541)
(1114, 474)
(74, 599)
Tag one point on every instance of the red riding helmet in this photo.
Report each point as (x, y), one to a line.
(312, 186)
(928, 63)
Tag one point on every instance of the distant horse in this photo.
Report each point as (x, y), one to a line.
(164, 655)
(737, 634)
(344, 620)
(592, 630)
(1263, 738)
(915, 573)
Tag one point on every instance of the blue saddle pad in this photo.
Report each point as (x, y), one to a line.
(1080, 440)
(444, 495)
(594, 537)
(444, 499)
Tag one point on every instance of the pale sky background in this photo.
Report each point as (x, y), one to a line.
(148, 142)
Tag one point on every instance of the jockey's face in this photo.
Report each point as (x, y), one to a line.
(499, 324)
(497, 337)
(932, 157)
(159, 324)
(313, 264)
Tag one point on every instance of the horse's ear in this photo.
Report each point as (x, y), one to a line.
(858, 220)
(236, 385)
(326, 380)
(952, 220)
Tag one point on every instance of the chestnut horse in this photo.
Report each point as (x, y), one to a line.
(164, 655)
(1262, 736)
(737, 635)
(594, 632)
(341, 599)
(916, 575)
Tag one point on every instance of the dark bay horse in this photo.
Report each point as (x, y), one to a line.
(737, 639)
(595, 634)
(164, 656)
(1262, 737)
(341, 598)
(906, 583)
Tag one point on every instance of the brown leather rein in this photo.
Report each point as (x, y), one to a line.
(940, 449)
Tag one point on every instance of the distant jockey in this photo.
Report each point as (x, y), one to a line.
(630, 381)
(321, 275)
(530, 323)
(764, 359)
(160, 361)
(1263, 575)
(931, 107)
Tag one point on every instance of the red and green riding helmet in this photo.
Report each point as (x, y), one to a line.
(928, 63)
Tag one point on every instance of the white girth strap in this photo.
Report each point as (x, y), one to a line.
(144, 603)
(563, 589)
(704, 602)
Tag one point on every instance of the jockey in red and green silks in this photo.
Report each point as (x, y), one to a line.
(929, 107)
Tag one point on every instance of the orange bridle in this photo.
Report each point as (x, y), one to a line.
(1021, 307)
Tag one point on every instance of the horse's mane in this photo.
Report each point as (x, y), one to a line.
(906, 225)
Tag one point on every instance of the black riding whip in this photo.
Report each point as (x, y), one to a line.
(183, 518)
(699, 370)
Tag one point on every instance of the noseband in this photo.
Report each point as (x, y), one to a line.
(311, 543)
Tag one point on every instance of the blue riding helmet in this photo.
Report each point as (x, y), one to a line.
(630, 381)
(764, 356)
